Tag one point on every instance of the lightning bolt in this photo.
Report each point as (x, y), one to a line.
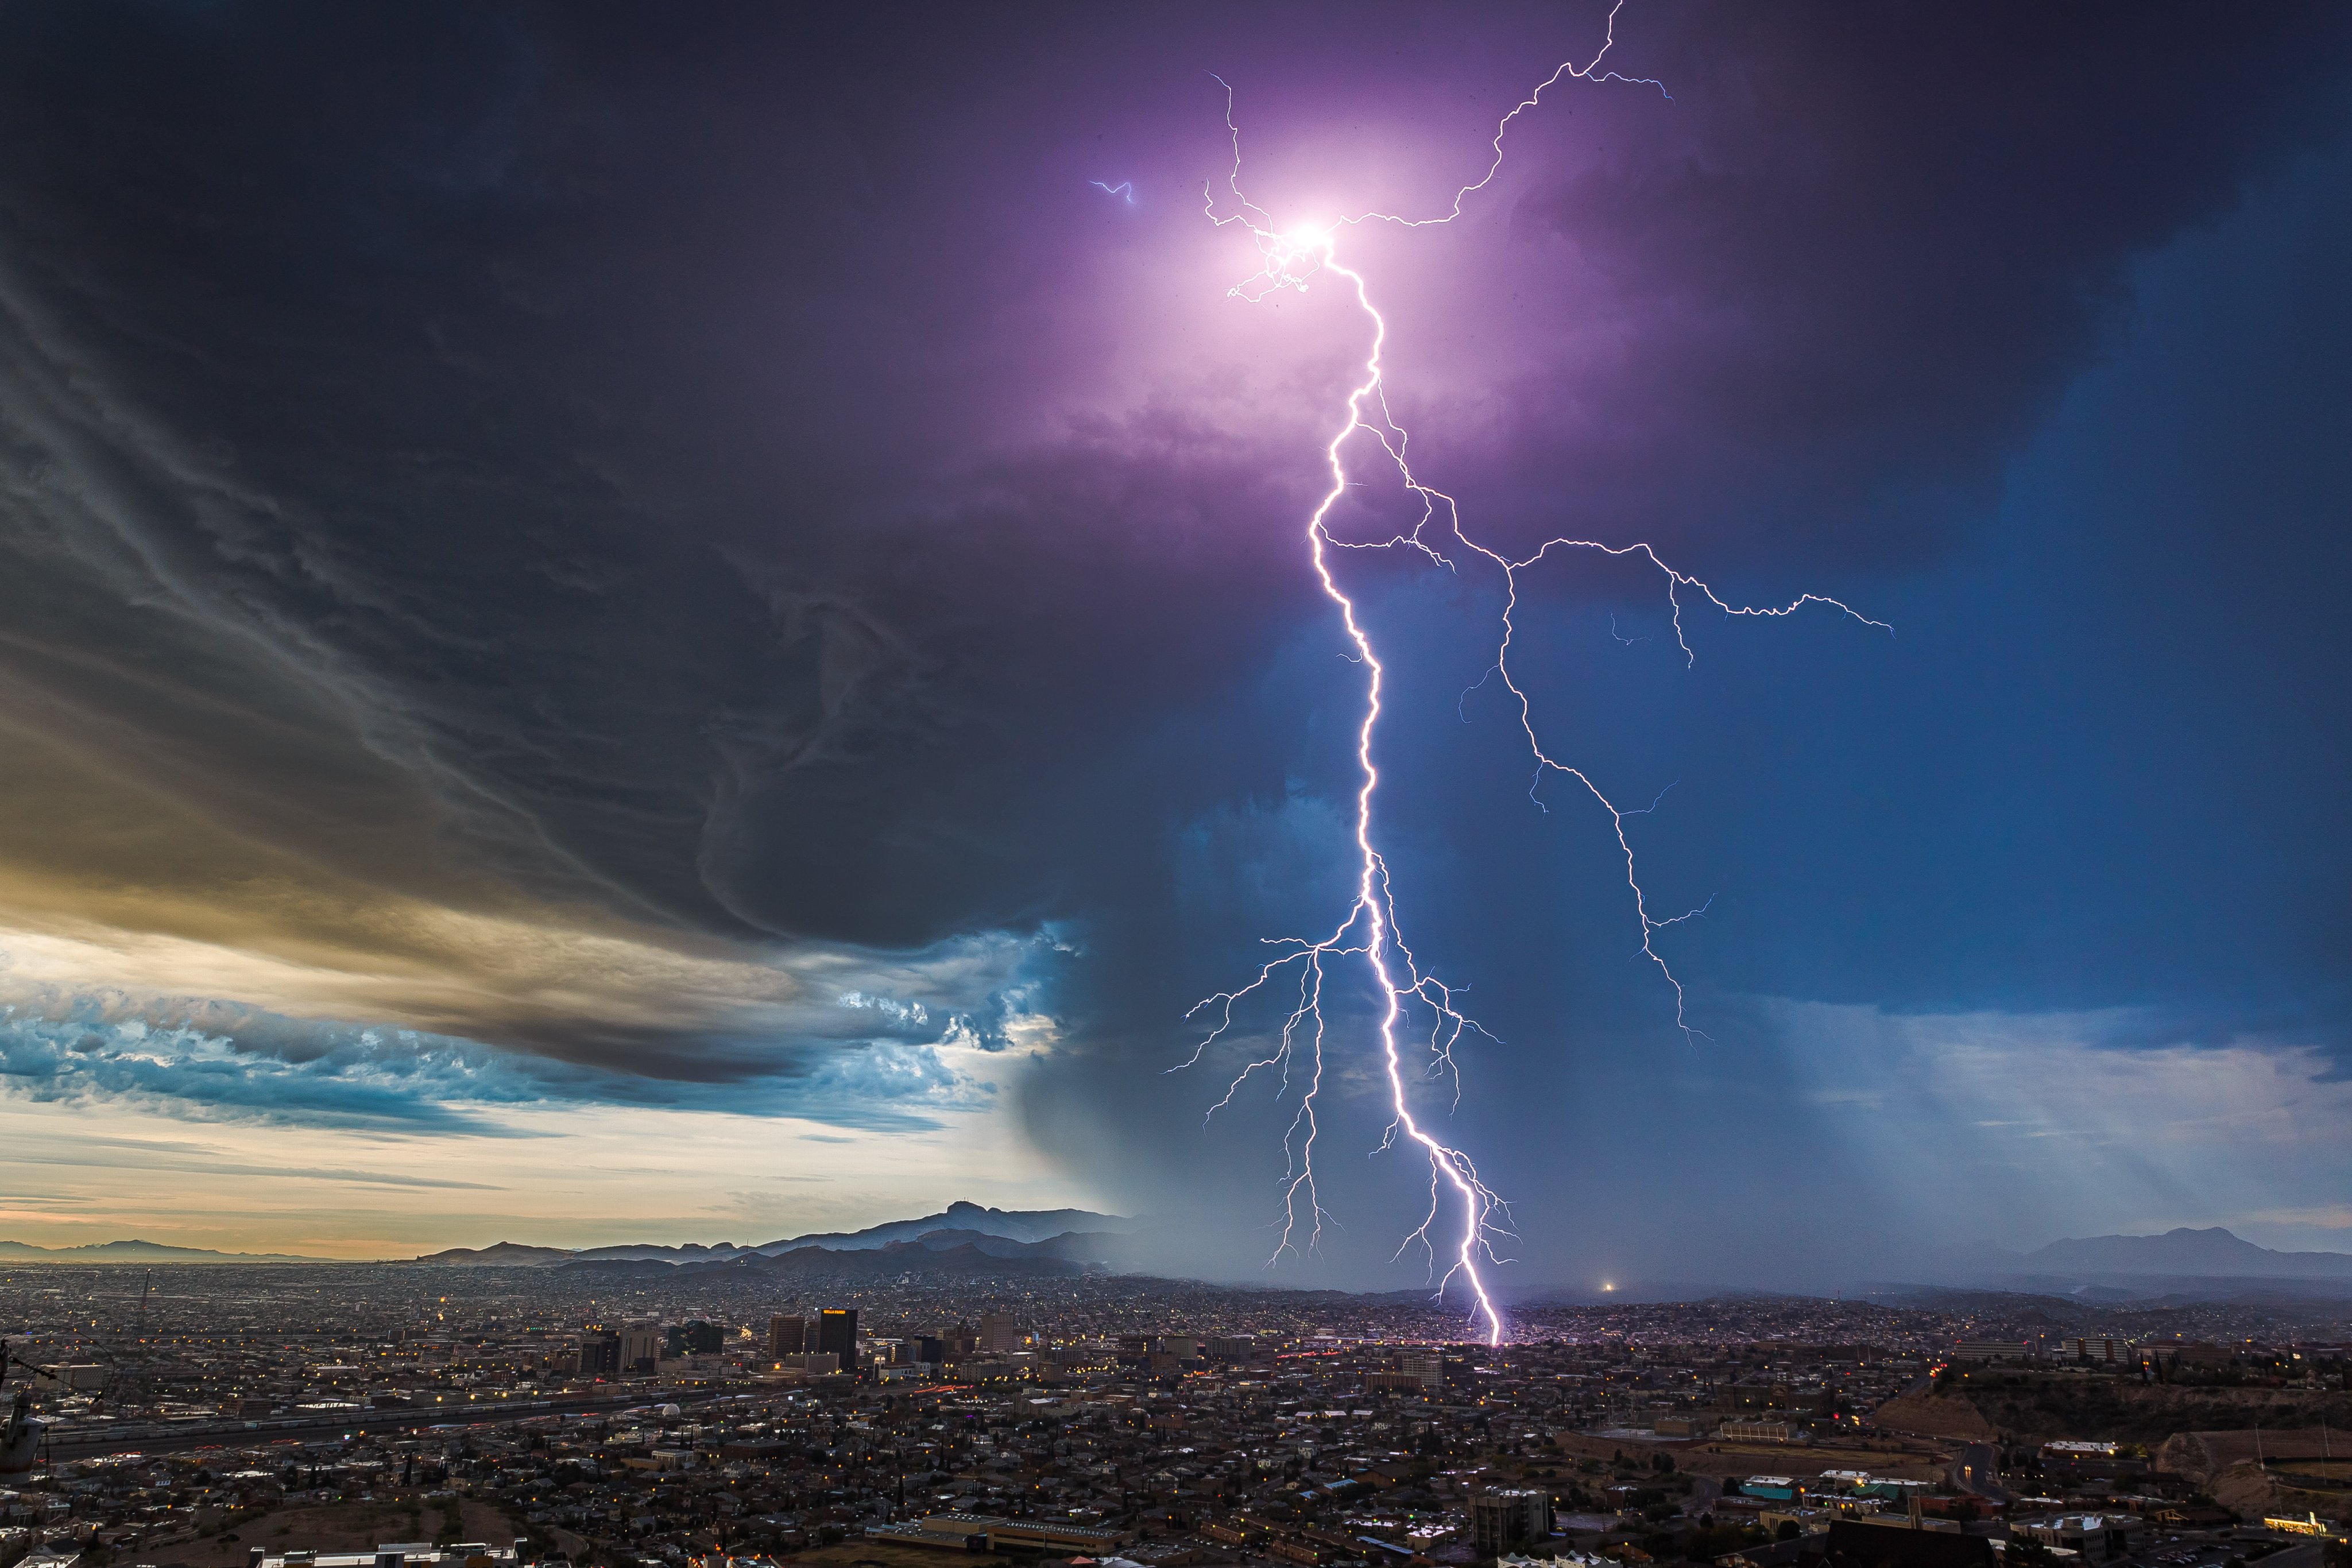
(1292, 258)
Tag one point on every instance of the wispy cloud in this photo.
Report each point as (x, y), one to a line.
(123, 1154)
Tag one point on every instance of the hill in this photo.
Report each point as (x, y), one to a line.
(1012, 1224)
(2035, 1406)
(499, 1254)
(1077, 1235)
(950, 1258)
(2210, 1253)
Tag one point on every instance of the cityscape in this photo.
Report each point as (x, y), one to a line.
(1554, 784)
(216, 1414)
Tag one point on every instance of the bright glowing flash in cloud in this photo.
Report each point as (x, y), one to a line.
(1291, 257)
(1124, 188)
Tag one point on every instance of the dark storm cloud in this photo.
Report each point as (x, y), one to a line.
(1875, 245)
(399, 426)
(730, 488)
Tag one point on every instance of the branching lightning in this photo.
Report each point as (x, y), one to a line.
(1292, 258)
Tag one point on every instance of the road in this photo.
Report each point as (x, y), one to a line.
(1976, 1469)
(84, 1443)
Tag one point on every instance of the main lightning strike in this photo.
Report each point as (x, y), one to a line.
(1291, 257)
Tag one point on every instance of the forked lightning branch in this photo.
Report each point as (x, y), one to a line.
(1465, 1217)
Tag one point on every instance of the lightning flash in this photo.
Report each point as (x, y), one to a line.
(1466, 1220)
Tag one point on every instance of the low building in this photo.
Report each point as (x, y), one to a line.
(2310, 1524)
(2095, 1536)
(973, 1531)
(2074, 1456)
(1762, 1432)
(393, 1554)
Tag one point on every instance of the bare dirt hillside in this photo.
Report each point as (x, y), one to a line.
(2039, 1406)
(2204, 1454)
(1934, 1415)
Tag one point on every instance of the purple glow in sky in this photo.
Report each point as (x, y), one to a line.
(562, 572)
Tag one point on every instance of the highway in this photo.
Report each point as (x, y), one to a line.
(87, 1443)
(1976, 1471)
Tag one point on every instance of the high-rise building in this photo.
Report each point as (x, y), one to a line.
(787, 1336)
(999, 1334)
(1502, 1520)
(641, 1347)
(836, 1332)
(697, 1336)
(600, 1352)
(1428, 1365)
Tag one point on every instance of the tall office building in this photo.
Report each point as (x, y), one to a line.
(697, 1336)
(836, 1332)
(1428, 1365)
(641, 1348)
(600, 1352)
(787, 1336)
(999, 1334)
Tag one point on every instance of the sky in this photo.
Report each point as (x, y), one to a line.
(618, 626)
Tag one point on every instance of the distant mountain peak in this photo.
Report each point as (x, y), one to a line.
(2183, 1250)
(498, 1253)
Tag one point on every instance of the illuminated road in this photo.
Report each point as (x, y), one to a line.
(83, 1443)
(1976, 1469)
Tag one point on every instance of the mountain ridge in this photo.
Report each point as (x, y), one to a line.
(1026, 1227)
(2212, 1252)
(137, 1251)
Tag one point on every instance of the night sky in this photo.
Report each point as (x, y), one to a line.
(627, 623)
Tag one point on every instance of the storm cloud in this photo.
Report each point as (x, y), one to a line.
(656, 555)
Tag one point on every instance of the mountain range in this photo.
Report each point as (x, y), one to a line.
(969, 1238)
(2182, 1253)
(141, 1252)
(1075, 1236)
(937, 1252)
